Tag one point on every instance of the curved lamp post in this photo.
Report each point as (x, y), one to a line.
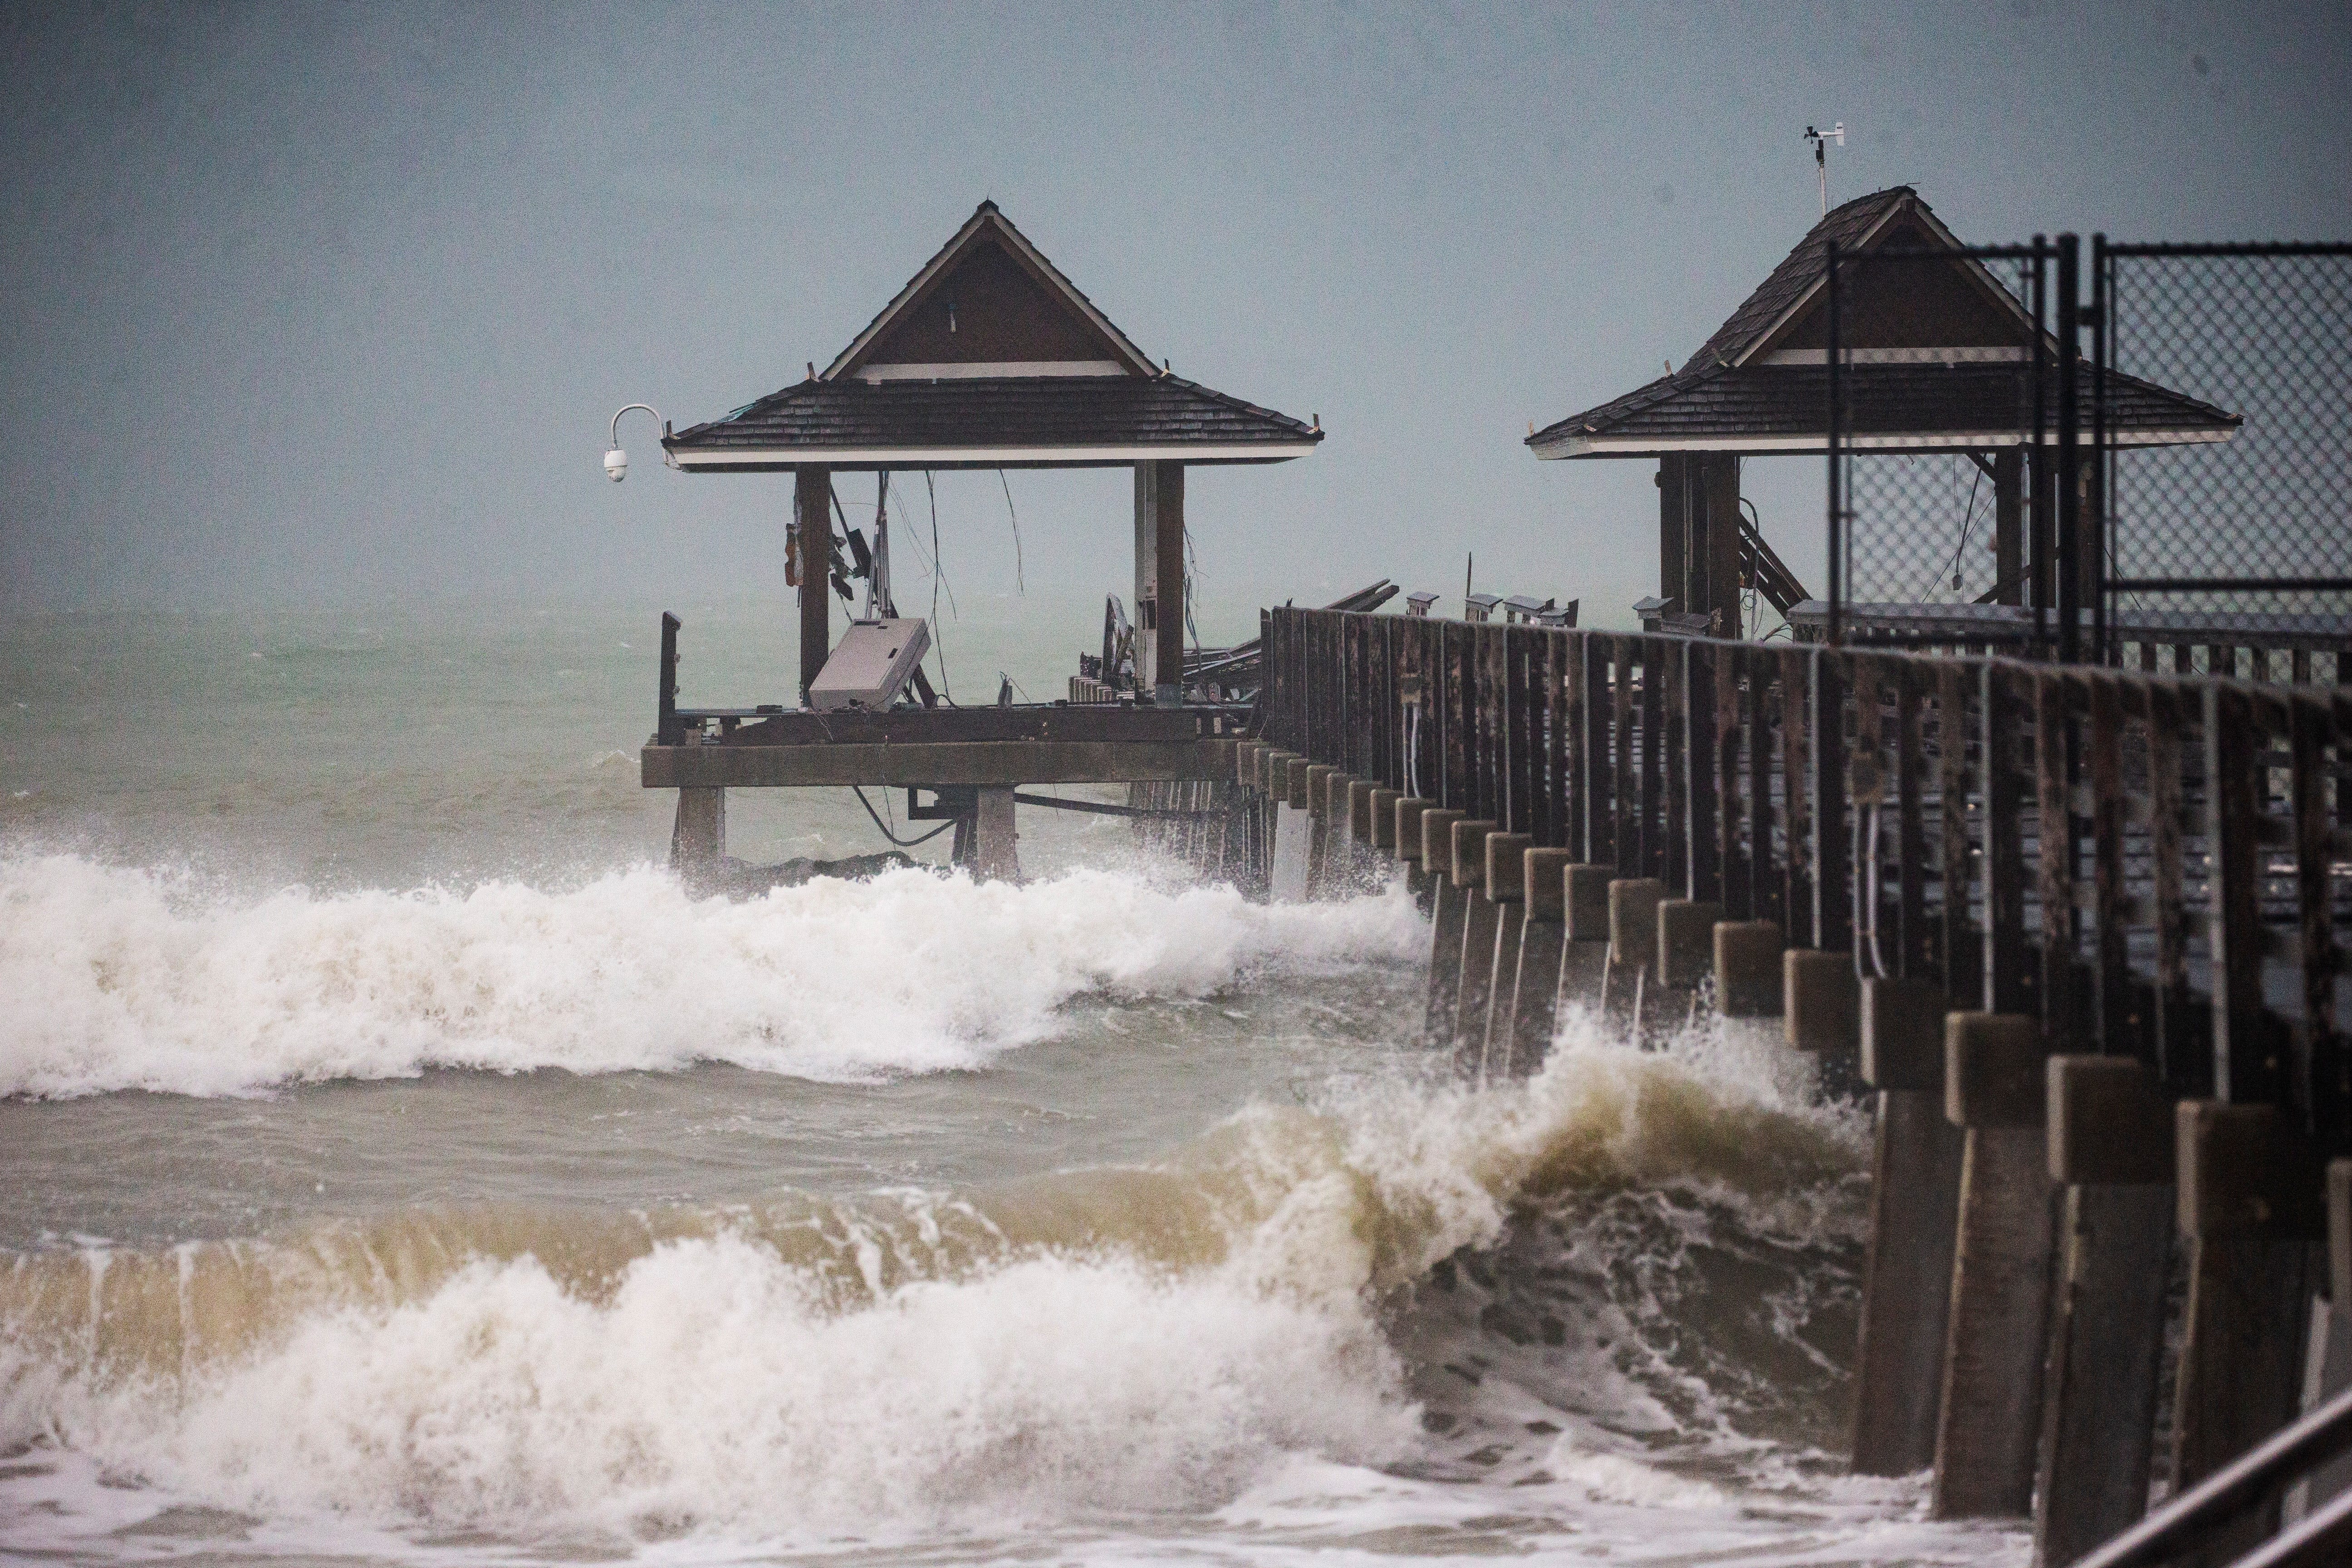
(616, 462)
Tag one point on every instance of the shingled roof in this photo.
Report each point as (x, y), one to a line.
(1946, 364)
(990, 357)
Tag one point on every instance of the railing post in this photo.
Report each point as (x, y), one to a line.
(667, 731)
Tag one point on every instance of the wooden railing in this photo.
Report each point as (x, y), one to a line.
(2081, 928)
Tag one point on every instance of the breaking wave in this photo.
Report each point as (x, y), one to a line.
(1352, 1284)
(115, 978)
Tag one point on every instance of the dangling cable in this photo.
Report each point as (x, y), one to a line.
(1020, 579)
(901, 843)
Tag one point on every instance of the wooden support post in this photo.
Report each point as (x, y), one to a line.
(1714, 558)
(813, 513)
(2250, 1202)
(1445, 924)
(698, 840)
(1506, 888)
(1987, 1431)
(2008, 526)
(1480, 922)
(2110, 1148)
(1676, 503)
(1915, 1197)
(995, 853)
(1543, 941)
(1159, 580)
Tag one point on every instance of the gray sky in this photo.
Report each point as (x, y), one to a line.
(311, 306)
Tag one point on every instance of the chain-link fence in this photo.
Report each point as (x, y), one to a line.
(2239, 517)
(1940, 383)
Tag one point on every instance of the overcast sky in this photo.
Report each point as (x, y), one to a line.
(328, 305)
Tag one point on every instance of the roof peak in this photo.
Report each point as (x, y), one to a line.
(1030, 301)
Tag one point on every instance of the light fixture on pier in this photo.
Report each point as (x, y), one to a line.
(616, 461)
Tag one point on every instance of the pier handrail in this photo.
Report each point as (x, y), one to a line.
(2240, 1487)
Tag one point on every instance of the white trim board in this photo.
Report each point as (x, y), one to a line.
(991, 370)
(985, 456)
(1574, 445)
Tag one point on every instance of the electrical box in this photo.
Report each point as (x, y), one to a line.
(870, 664)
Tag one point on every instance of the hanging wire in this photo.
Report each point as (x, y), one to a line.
(1020, 578)
(1968, 524)
(901, 843)
(938, 581)
(1192, 595)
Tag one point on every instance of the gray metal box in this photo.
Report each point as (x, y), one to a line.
(873, 660)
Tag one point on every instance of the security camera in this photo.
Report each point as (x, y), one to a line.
(617, 465)
(616, 462)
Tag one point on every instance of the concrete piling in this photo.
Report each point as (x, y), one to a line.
(1748, 968)
(1584, 959)
(2251, 1198)
(1543, 943)
(1481, 919)
(698, 839)
(1915, 1197)
(2111, 1149)
(1988, 1428)
(1632, 944)
(1504, 887)
(1405, 843)
(1448, 907)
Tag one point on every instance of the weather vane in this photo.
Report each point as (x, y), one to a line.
(1821, 141)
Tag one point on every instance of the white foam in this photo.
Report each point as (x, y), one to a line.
(708, 1394)
(114, 978)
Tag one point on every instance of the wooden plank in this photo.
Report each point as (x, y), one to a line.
(1671, 738)
(1454, 640)
(1916, 946)
(2182, 1059)
(2114, 1022)
(1576, 780)
(813, 515)
(1624, 803)
(1834, 910)
(1553, 830)
(2007, 697)
(1731, 855)
(1767, 892)
(1703, 816)
(1494, 731)
(1653, 785)
(1520, 730)
(2318, 1089)
(1029, 721)
(991, 763)
(2054, 861)
(2245, 1069)
(1797, 864)
(1959, 955)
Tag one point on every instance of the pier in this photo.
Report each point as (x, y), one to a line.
(2076, 930)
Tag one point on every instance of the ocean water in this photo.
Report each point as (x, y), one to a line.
(402, 1167)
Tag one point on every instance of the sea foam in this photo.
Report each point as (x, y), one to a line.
(115, 978)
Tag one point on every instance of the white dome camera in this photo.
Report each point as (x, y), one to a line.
(617, 465)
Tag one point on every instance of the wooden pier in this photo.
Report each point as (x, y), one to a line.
(2078, 930)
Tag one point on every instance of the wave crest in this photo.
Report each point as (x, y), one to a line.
(114, 978)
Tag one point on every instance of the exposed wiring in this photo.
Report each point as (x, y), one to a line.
(1866, 891)
(1968, 525)
(938, 581)
(1020, 579)
(901, 843)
